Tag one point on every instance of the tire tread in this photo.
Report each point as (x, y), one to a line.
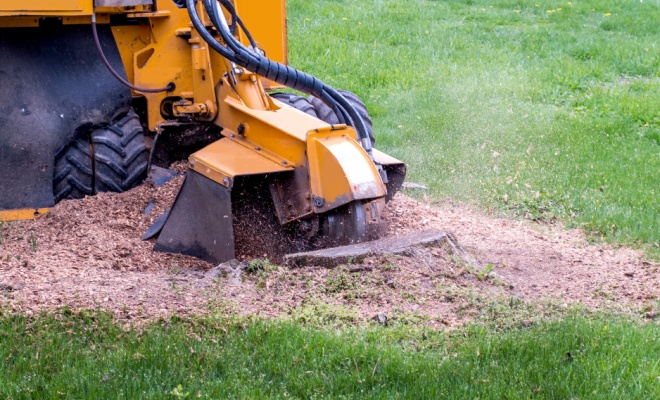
(120, 155)
(118, 161)
(298, 102)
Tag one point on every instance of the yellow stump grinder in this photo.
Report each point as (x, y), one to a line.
(94, 89)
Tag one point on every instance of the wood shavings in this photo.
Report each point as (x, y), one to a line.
(87, 254)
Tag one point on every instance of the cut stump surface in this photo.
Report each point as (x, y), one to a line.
(400, 244)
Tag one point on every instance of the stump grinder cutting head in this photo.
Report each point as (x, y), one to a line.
(321, 184)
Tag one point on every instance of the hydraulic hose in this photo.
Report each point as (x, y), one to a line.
(170, 86)
(236, 20)
(254, 62)
(263, 66)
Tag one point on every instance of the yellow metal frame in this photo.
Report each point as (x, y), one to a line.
(27, 213)
(58, 8)
(340, 170)
(225, 159)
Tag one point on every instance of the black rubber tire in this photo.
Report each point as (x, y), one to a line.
(74, 177)
(298, 102)
(120, 155)
(327, 114)
(112, 159)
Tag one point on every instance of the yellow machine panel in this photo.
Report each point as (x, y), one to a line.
(45, 7)
(269, 27)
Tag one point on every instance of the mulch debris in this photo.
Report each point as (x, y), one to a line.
(87, 254)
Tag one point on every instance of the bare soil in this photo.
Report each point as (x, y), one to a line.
(88, 254)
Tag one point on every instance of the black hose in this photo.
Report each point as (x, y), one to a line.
(236, 20)
(236, 52)
(170, 86)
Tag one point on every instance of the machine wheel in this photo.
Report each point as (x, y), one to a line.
(298, 102)
(74, 177)
(327, 114)
(120, 155)
(114, 161)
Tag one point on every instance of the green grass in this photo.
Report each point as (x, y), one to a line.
(544, 113)
(88, 356)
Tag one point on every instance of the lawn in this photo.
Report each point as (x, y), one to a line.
(548, 110)
(89, 356)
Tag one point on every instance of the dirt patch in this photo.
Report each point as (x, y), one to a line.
(88, 254)
(541, 260)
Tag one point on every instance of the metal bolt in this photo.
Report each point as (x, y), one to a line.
(241, 129)
(318, 201)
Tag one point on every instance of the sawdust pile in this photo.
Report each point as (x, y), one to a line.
(88, 253)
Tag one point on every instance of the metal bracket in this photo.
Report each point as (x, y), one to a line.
(187, 107)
